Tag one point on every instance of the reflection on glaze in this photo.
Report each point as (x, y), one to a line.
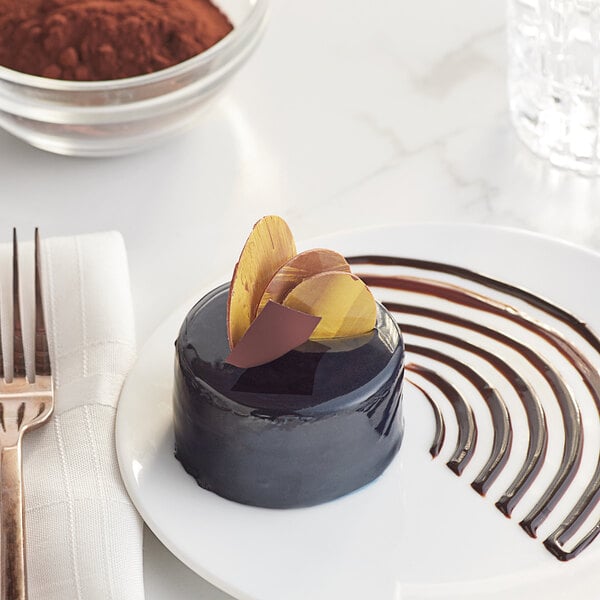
(571, 417)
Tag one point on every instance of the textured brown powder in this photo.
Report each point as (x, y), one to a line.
(90, 40)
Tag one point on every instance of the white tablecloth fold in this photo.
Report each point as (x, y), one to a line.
(84, 538)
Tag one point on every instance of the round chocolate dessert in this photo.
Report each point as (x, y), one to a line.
(308, 427)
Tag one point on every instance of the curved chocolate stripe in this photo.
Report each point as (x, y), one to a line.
(502, 440)
(536, 418)
(556, 547)
(440, 426)
(467, 430)
(428, 265)
(572, 451)
(580, 512)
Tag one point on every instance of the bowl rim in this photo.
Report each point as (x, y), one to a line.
(251, 23)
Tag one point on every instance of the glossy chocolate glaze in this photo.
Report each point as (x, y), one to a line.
(572, 450)
(313, 425)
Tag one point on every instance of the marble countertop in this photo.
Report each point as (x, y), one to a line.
(344, 117)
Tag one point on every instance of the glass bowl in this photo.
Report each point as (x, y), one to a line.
(107, 118)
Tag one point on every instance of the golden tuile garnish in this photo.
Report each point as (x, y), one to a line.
(269, 246)
(300, 267)
(342, 300)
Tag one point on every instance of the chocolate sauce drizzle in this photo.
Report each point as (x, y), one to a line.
(538, 437)
(440, 426)
(502, 440)
(467, 432)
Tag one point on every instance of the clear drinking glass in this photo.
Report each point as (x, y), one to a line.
(554, 79)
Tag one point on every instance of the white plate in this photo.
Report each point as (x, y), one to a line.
(418, 531)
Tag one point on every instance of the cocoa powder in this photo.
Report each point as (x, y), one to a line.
(90, 40)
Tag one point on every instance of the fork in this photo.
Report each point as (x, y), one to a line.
(25, 403)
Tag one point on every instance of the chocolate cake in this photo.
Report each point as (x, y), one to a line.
(310, 426)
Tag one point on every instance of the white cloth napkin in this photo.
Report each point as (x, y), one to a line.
(83, 536)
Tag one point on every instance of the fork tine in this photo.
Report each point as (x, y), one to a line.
(18, 352)
(42, 355)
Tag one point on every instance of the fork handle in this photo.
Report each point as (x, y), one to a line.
(12, 539)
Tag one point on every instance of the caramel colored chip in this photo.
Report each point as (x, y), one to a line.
(344, 303)
(300, 267)
(269, 246)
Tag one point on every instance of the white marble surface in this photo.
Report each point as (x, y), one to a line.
(349, 114)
